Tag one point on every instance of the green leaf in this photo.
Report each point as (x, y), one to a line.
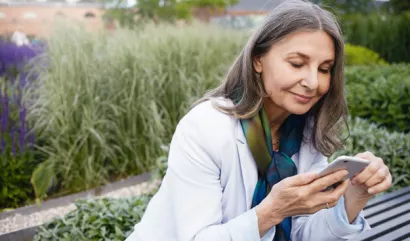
(118, 231)
(42, 178)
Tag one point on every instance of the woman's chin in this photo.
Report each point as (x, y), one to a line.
(298, 109)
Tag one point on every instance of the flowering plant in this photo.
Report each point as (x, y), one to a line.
(17, 159)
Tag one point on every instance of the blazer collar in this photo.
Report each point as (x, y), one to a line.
(248, 166)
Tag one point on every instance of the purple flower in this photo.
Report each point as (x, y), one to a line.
(14, 64)
(22, 117)
(5, 116)
(31, 139)
(12, 141)
(23, 80)
(2, 144)
(1, 110)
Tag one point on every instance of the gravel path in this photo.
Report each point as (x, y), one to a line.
(17, 222)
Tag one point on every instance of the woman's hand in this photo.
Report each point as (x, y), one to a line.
(299, 194)
(375, 178)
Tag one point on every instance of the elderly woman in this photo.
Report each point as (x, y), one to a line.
(243, 162)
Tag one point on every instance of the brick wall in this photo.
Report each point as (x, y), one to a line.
(38, 20)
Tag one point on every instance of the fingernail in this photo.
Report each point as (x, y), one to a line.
(370, 191)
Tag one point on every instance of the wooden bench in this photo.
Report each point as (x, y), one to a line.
(389, 217)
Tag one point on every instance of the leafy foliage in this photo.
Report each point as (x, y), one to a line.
(380, 94)
(105, 108)
(15, 173)
(388, 35)
(43, 178)
(392, 147)
(17, 155)
(212, 3)
(99, 219)
(358, 55)
(162, 10)
(349, 6)
(399, 6)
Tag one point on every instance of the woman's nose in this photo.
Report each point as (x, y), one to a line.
(311, 81)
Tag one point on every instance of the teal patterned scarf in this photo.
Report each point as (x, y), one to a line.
(273, 166)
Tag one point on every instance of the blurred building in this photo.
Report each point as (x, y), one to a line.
(245, 14)
(251, 13)
(251, 7)
(36, 17)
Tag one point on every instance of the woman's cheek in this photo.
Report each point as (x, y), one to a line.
(324, 87)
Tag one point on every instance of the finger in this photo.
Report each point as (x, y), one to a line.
(368, 172)
(333, 195)
(381, 187)
(329, 205)
(367, 155)
(378, 177)
(340, 190)
(323, 206)
(323, 182)
(300, 179)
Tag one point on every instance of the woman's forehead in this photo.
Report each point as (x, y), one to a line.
(307, 44)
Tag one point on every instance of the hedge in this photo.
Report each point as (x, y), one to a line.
(358, 55)
(388, 35)
(380, 94)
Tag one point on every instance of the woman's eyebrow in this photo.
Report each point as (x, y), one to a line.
(305, 56)
(300, 54)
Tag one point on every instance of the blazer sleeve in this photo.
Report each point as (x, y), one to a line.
(188, 205)
(327, 224)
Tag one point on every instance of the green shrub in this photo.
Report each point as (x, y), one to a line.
(380, 94)
(109, 101)
(17, 155)
(392, 147)
(15, 187)
(97, 219)
(388, 35)
(358, 55)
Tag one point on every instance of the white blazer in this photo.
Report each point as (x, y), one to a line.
(206, 194)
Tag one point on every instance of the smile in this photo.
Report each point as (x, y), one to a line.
(302, 98)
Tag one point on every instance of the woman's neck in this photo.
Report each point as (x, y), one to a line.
(276, 115)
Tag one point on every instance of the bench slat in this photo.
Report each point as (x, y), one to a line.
(386, 205)
(387, 227)
(387, 197)
(388, 215)
(396, 234)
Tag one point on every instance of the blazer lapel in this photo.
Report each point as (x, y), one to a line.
(247, 163)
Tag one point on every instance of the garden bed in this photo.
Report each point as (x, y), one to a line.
(20, 224)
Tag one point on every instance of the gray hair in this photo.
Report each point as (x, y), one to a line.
(247, 91)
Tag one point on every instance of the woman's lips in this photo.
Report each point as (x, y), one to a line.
(302, 98)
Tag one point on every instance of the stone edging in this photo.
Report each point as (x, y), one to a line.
(28, 233)
(65, 200)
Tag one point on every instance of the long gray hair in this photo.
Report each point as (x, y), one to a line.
(243, 85)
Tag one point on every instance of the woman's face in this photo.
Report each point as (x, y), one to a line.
(296, 71)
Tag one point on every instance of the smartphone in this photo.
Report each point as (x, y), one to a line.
(353, 165)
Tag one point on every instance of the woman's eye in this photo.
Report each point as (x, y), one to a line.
(296, 65)
(325, 71)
